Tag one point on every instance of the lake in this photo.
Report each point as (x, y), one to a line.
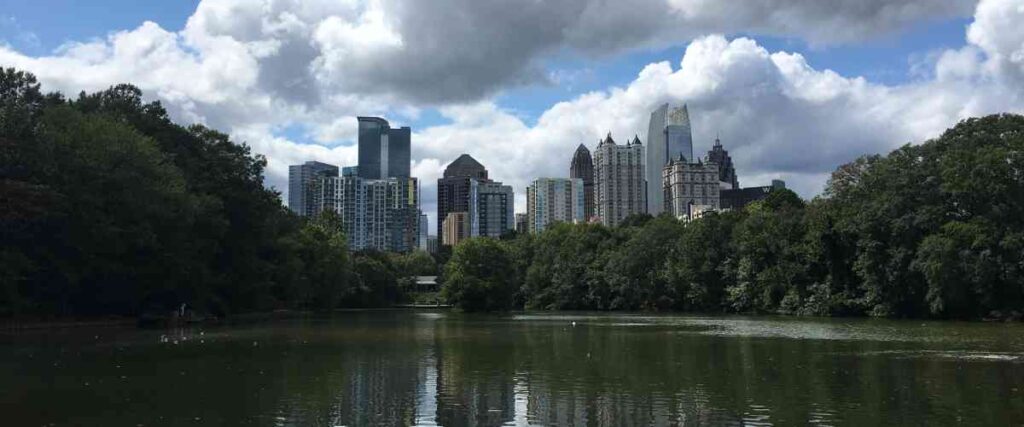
(397, 367)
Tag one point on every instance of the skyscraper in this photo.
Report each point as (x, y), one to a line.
(620, 187)
(553, 200)
(379, 214)
(495, 214)
(489, 205)
(383, 152)
(301, 182)
(424, 235)
(455, 228)
(582, 167)
(454, 189)
(726, 171)
(668, 136)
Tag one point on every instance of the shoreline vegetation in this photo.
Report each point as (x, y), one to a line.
(110, 210)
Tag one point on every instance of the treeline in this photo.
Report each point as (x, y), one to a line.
(930, 230)
(109, 208)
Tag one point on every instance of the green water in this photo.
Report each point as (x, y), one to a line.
(442, 368)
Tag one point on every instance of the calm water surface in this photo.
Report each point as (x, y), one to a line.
(441, 368)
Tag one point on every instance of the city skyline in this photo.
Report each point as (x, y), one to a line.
(793, 98)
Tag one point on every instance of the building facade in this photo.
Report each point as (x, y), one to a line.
(489, 205)
(620, 188)
(384, 152)
(455, 189)
(741, 197)
(522, 221)
(495, 209)
(424, 235)
(582, 167)
(378, 214)
(301, 182)
(455, 228)
(669, 135)
(554, 200)
(689, 188)
(726, 171)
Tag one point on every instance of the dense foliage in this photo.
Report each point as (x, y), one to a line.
(931, 230)
(110, 208)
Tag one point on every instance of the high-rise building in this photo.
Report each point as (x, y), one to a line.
(689, 187)
(553, 200)
(489, 205)
(433, 245)
(726, 171)
(424, 235)
(582, 167)
(383, 152)
(455, 228)
(455, 189)
(378, 214)
(668, 136)
(620, 187)
(301, 182)
(495, 211)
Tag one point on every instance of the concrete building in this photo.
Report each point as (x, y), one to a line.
(433, 245)
(690, 187)
(553, 200)
(455, 228)
(301, 182)
(741, 197)
(669, 135)
(620, 187)
(582, 167)
(383, 152)
(726, 171)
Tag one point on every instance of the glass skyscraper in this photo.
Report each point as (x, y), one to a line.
(383, 152)
(669, 135)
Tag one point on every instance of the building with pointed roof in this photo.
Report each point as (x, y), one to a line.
(726, 171)
(620, 186)
(582, 167)
(688, 187)
(465, 187)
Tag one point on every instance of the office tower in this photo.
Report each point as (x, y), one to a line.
(301, 180)
(383, 152)
(620, 187)
(689, 187)
(522, 220)
(455, 228)
(424, 234)
(495, 211)
(455, 188)
(668, 136)
(726, 172)
(433, 245)
(582, 167)
(553, 200)
(489, 205)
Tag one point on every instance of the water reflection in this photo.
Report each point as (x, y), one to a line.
(406, 368)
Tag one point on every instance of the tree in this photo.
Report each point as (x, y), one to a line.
(480, 276)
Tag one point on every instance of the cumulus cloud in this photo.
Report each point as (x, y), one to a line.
(254, 68)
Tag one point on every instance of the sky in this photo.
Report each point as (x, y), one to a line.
(794, 88)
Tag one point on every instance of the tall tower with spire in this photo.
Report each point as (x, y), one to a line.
(669, 135)
(582, 167)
